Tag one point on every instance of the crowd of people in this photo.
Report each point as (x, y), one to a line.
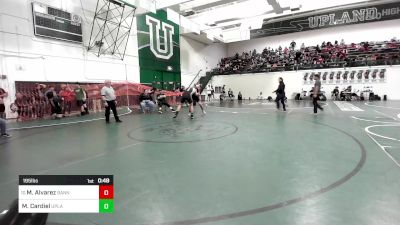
(61, 102)
(326, 55)
(45, 99)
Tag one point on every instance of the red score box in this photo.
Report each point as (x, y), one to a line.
(106, 192)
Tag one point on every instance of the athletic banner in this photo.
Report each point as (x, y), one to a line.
(336, 18)
(158, 46)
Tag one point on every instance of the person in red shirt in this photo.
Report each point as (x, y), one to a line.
(67, 96)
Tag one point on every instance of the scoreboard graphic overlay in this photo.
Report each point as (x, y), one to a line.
(66, 194)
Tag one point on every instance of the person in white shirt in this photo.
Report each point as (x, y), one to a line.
(209, 93)
(108, 96)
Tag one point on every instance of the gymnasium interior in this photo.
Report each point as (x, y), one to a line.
(209, 112)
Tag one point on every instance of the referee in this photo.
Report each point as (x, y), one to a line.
(108, 96)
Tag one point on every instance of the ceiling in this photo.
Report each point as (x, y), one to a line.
(229, 20)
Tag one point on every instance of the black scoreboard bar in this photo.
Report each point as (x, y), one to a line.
(55, 23)
(66, 179)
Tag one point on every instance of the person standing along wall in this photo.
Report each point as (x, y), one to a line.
(316, 92)
(67, 96)
(240, 97)
(40, 100)
(209, 93)
(81, 97)
(54, 102)
(108, 95)
(3, 94)
(94, 95)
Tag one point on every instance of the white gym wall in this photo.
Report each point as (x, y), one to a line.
(252, 84)
(26, 57)
(197, 56)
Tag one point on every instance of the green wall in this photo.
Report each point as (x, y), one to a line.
(159, 61)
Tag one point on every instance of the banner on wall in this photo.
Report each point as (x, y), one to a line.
(333, 18)
(158, 48)
(353, 76)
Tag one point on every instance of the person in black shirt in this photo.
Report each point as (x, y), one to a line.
(316, 93)
(146, 101)
(223, 92)
(196, 97)
(280, 94)
(54, 102)
(3, 94)
(230, 94)
(335, 93)
(162, 100)
(292, 45)
(240, 96)
(186, 97)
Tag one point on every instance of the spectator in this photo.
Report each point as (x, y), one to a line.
(94, 94)
(67, 95)
(240, 96)
(366, 46)
(40, 99)
(146, 101)
(329, 55)
(54, 102)
(319, 49)
(286, 51)
(153, 94)
(209, 93)
(292, 45)
(20, 105)
(230, 94)
(3, 95)
(81, 97)
(212, 92)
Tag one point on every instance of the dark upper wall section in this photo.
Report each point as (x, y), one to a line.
(333, 18)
